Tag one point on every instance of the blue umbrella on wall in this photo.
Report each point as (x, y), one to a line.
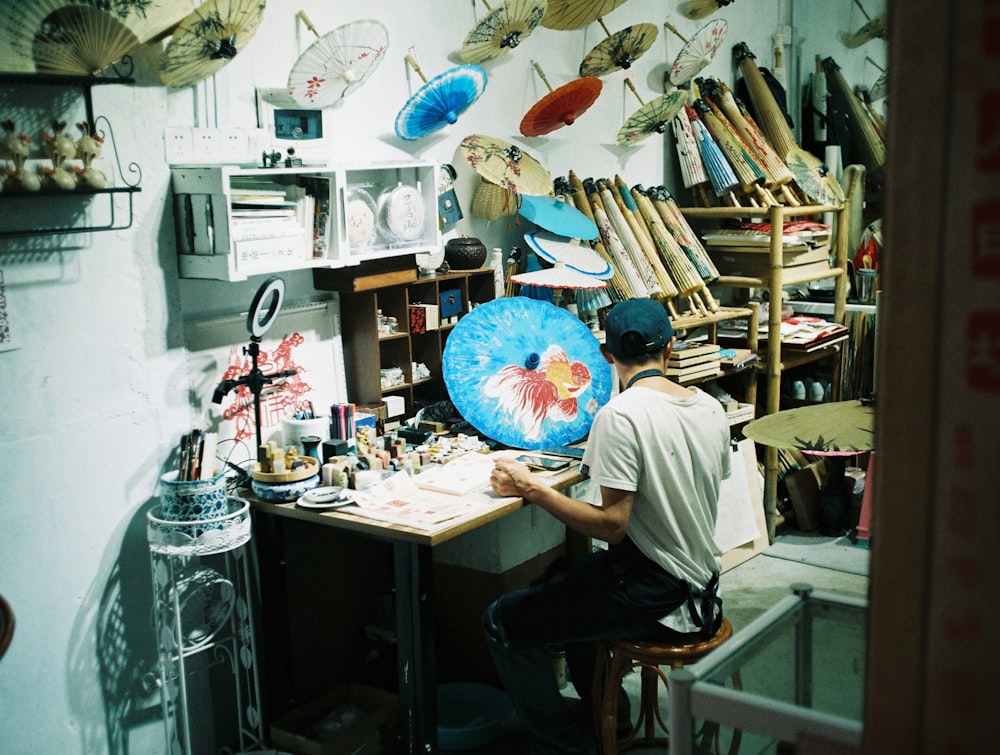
(526, 373)
(440, 101)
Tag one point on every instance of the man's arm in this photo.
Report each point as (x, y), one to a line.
(607, 522)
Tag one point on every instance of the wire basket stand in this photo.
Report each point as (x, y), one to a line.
(204, 604)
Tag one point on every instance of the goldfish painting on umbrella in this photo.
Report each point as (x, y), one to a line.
(526, 373)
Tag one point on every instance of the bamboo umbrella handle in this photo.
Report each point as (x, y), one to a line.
(308, 23)
(413, 64)
(630, 85)
(600, 20)
(541, 73)
(670, 27)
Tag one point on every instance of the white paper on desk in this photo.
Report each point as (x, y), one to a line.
(399, 499)
(470, 471)
(735, 524)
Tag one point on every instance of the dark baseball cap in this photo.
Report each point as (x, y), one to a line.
(637, 327)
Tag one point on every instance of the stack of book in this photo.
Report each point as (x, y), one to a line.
(690, 361)
(270, 223)
(808, 333)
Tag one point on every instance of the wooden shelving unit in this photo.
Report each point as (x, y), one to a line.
(775, 361)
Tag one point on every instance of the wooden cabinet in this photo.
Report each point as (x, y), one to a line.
(371, 348)
(776, 279)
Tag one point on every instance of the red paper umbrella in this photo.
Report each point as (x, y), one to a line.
(561, 106)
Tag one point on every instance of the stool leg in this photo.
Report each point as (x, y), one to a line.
(650, 704)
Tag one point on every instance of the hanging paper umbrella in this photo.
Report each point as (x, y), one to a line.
(811, 174)
(698, 51)
(572, 14)
(506, 164)
(78, 37)
(501, 30)
(571, 253)
(653, 117)
(558, 216)
(561, 106)
(525, 373)
(878, 90)
(619, 50)
(440, 101)
(337, 63)
(695, 9)
(208, 38)
(873, 28)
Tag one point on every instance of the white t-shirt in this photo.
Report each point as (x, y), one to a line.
(672, 452)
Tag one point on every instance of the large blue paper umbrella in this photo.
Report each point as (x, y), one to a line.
(526, 373)
(440, 101)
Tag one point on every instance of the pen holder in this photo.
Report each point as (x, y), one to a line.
(293, 430)
(192, 500)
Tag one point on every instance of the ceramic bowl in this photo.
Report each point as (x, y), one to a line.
(282, 492)
(292, 475)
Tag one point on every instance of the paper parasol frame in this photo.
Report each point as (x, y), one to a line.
(501, 30)
(526, 373)
(505, 164)
(337, 63)
(440, 101)
(561, 106)
(619, 50)
(698, 51)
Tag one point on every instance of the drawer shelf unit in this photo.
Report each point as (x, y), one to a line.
(370, 349)
(233, 222)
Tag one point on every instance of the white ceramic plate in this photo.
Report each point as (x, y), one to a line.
(326, 497)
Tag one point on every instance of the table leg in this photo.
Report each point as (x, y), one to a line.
(415, 638)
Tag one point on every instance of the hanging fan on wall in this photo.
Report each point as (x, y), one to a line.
(80, 38)
(208, 38)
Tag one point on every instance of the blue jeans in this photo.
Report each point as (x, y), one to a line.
(608, 594)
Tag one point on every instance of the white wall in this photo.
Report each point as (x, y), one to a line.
(99, 390)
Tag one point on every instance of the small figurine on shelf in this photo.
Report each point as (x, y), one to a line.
(88, 149)
(60, 149)
(16, 148)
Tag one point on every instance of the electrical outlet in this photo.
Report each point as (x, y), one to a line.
(234, 145)
(178, 145)
(206, 145)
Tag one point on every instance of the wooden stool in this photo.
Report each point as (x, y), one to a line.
(615, 659)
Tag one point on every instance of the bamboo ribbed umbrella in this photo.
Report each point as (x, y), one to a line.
(695, 9)
(501, 30)
(693, 173)
(750, 175)
(652, 118)
(687, 277)
(720, 172)
(698, 51)
(619, 50)
(867, 142)
(811, 174)
(573, 189)
(621, 259)
(655, 276)
(561, 106)
(775, 170)
(681, 230)
(572, 14)
(629, 210)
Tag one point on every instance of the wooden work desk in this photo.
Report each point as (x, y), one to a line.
(412, 550)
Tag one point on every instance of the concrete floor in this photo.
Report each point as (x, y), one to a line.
(828, 564)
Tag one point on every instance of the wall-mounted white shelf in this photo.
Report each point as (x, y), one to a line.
(356, 214)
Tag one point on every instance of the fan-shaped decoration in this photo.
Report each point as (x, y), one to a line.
(440, 101)
(525, 373)
(572, 14)
(501, 30)
(208, 38)
(697, 52)
(561, 106)
(506, 164)
(619, 50)
(337, 63)
(652, 118)
(81, 37)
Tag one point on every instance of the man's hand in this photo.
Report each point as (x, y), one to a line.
(510, 478)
